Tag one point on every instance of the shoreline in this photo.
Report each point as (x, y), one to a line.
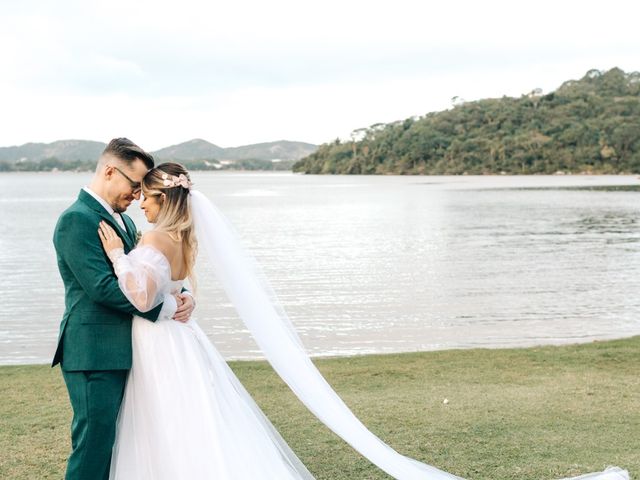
(331, 356)
(230, 171)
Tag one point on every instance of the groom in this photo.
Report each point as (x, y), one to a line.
(94, 345)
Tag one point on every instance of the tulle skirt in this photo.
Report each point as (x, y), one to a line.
(185, 415)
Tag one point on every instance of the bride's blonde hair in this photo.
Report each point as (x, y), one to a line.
(174, 216)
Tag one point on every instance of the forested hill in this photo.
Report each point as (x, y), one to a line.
(589, 125)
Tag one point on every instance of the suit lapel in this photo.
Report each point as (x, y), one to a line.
(94, 205)
(131, 229)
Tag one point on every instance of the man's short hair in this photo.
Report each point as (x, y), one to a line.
(128, 152)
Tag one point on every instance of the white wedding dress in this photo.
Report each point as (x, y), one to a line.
(185, 414)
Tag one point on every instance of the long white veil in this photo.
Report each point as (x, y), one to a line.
(258, 307)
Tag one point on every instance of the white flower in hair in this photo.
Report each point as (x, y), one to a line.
(173, 181)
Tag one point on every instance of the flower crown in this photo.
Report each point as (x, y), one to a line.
(170, 181)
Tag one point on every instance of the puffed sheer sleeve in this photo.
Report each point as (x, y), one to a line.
(143, 274)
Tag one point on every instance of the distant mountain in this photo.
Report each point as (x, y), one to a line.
(202, 150)
(281, 150)
(70, 150)
(195, 149)
(196, 154)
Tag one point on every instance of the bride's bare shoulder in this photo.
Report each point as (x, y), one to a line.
(160, 240)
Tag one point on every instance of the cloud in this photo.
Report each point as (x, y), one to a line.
(248, 71)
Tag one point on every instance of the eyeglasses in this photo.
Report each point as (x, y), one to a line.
(135, 186)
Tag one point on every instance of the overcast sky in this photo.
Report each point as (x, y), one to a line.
(240, 72)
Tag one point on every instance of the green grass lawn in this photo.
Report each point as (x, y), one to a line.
(536, 413)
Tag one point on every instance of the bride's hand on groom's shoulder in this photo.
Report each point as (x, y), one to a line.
(185, 307)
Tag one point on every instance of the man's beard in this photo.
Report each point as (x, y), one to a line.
(118, 209)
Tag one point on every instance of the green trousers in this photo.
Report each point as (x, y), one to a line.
(95, 397)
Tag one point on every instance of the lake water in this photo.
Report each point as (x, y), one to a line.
(369, 264)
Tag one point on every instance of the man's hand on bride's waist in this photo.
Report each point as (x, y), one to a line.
(186, 304)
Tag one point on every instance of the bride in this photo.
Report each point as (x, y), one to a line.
(185, 415)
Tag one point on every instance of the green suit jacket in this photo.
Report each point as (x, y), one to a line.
(95, 332)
